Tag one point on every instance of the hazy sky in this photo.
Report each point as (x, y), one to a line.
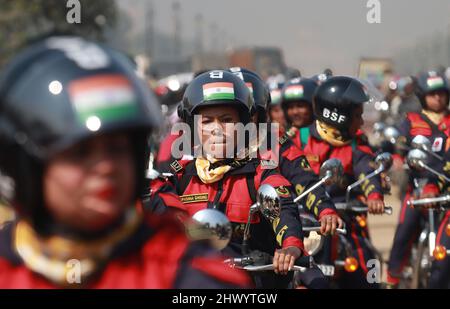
(313, 34)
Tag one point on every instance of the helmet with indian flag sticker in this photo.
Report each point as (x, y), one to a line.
(430, 82)
(258, 88)
(59, 92)
(297, 90)
(216, 88)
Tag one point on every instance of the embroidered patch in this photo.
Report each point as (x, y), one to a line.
(304, 164)
(281, 234)
(312, 158)
(268, 164)
(437, 144)
(282, 191)
(284, 139)
(194, 198)
(176, 166)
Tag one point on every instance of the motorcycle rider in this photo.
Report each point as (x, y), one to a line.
(338, 107)
(440, 270)
(406, 101)
(296, 101)
(75, 120)
(275, 113)
(432, 122)
(212, 102)
(294, 166)
(292, 162)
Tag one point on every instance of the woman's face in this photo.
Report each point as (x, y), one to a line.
(216, 130)
(357, 120)
(90, 185)
(437, 101)
(300, 114)
(276, 115)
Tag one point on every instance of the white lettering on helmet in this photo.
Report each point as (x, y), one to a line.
(216, 74)
(333, 116)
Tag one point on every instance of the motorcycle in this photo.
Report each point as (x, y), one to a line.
(331, 172)
(425, 251)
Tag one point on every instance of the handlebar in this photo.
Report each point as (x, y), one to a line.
(317, 229)
(430, 200)
(357, 208)
(250, 264)
(269, 267)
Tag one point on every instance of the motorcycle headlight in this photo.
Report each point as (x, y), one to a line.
(313, 243)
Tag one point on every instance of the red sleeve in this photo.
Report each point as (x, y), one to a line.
(276, 180)
(292, 153)
(293, 241)
(375, 196)
(431, 189)
(397, 157)
(326, 212)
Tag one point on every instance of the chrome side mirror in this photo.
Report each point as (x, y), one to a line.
(416, 159)
(213, 225)
(391, 134)
(421, 142)
(268, 202)
(384, 161)
(331, 171)
(378, 127)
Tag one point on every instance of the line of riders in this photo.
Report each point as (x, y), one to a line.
(75, 122)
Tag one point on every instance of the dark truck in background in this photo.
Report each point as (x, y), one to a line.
(266, 61)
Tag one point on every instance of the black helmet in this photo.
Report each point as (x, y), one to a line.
(216, 87)
(257, 87)
(59, 92)
(429, 82)
(297, 90)
(335, 99)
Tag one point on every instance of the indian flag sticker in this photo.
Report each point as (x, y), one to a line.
(293, 92)
(250, 87)
(103, 98)
(218, 91)
(275, 96)
(435, 82)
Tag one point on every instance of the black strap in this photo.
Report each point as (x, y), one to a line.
(185, 179)
(434, 128)
(251, 186)
(215, 203)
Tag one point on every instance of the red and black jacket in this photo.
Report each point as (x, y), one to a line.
(233, 195)
(356, 157)
(295, 167)
(157, 256)
(419, 124)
